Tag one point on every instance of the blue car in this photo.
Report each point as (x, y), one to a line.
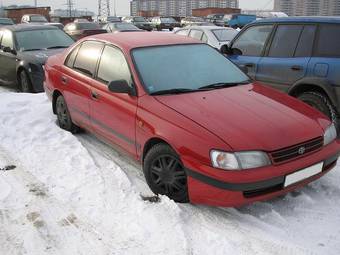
(297, 55)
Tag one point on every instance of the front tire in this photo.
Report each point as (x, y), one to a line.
(64, 117)
(25, 84)
(165, 174)
(320, 102)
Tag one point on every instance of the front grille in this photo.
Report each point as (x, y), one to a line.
(296, 151)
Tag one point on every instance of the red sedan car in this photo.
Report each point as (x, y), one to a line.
(202, 130)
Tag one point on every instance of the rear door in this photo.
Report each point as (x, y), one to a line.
(287, 58)
(249, 46)
(113, 115)
(76, 78)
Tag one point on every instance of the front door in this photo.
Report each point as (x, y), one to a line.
(113, 115)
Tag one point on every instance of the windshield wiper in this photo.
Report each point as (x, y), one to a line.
(56, 47)
(32, 49)
(223, 85)
(172, 91)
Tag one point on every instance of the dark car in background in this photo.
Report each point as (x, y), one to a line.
(120, 27)
(160, 23)
(298, 55)
(78, 30)
(139, 22)
(23, 52)
(6, 22)
(216, 19)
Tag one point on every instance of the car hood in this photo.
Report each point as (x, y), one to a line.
(40, 56)
(250, 117)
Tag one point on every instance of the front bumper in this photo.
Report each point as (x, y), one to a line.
(207, 185)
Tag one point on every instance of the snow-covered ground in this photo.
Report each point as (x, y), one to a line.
(72, 194)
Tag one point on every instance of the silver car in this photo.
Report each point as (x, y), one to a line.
(213, 35)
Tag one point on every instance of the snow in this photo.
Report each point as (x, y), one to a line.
(73, 194)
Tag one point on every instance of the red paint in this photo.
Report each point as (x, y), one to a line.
(248, 117)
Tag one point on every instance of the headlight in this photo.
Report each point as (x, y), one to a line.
(329, 135)
(239, 160)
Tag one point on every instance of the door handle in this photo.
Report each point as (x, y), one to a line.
(297, 68)
(249, 65)
(94, 95)
(63, 80)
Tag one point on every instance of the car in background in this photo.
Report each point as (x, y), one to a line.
(297, 55)
(23, 51)
(192, 21)
(213, 35)
(78, 30)
(121, 27)
(6, 22)
(139, 22)
(160, 23)
(34, 18)
(216, 19)
(132, 93)
(113, 19)
(56, 24)
(238, 20)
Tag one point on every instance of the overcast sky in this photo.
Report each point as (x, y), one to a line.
(123, 5)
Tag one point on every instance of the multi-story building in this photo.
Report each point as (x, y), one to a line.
(308, 7)
(177, 8)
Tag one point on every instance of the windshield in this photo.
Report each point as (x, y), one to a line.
(42, 39)
(6, 22)
(168, 20)
(139, 19)
(189, 67)
(224, 34)
(38, 18)
(126, 26)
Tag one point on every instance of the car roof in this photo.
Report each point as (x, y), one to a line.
(28, 27)
(141, 39)
(310, 19)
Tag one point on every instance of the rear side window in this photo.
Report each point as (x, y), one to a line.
(196, 34)
(71, 57)
(305, 46)
(328, 41)
(204, 38)
(113, 66)
(87, 57)
(285, 41)
(182, 32)
(253, 40)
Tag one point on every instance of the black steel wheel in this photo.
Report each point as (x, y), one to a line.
(165, 174)
(25, 84)
(64, 117)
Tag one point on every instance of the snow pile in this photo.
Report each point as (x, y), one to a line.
(75, 195)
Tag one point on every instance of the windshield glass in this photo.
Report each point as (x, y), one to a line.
(139, 19)
(224, 34)
(38, 18)
(126, 26)
(184, 67)
(42, 39)
(6, 21)
(168, 20)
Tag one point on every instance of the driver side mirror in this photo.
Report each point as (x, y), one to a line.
(121, 86)
(225, 49)
(9, 50)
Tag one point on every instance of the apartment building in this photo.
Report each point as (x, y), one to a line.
(177, 8)
(308, 7)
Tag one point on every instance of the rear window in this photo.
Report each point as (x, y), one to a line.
(196, 34)
(224, 34)
(182, 32)
(328, 41)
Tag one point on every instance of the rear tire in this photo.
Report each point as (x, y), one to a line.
(165, 174)
(320, 102)
(64, 117)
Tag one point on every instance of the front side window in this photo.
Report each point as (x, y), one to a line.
(253, 40)
(196, 34)
(113, 66)
(194, 66)
(7, 40)
(285, 41)
(87, 57)
(328, 41)
(43, 39)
